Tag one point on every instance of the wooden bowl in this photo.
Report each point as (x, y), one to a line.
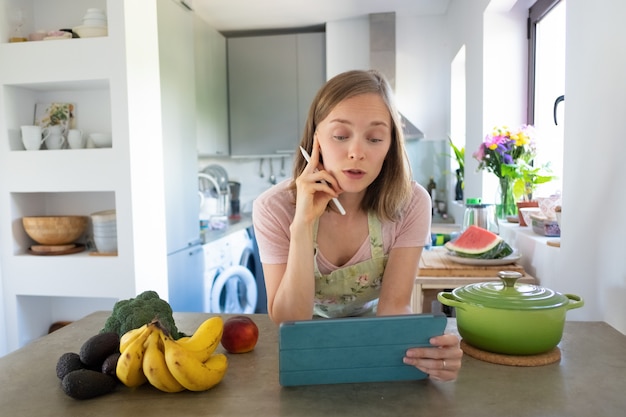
(54, 230)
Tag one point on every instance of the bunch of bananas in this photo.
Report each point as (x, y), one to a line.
(149, 354)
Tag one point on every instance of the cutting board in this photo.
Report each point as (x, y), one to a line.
(435, 263)
(357, 349)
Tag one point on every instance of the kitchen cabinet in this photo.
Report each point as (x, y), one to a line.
(211, 90)
(271, 82)
(126, 83)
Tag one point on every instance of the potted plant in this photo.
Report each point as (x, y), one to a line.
(525, 185)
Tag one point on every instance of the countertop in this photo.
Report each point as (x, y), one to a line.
(589, 380)
(234, 225)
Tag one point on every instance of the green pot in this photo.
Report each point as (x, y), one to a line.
(510, 318)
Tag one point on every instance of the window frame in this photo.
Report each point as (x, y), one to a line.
(536, 12)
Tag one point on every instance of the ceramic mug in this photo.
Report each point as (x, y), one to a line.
(32, 137)
(55, 138)
(76, 139)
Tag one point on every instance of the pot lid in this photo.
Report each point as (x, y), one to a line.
(509, 295)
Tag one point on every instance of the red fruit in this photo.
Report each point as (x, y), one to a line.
(240, 334)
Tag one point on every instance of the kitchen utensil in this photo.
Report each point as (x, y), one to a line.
(481, 215)
(54, 230)
(32, 137)
(282, 166)
(272, 176)
(104, 225)
(76, 139)
(261, 169)
(235, 188)
(54, 136)
(509, 318)
(86, 31)
(101, 140)
(335, 200)
(217, 197)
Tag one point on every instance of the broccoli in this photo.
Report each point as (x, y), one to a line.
(135, 312)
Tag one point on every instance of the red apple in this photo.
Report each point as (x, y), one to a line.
(240, 334)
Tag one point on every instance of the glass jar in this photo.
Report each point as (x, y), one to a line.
(481, 215)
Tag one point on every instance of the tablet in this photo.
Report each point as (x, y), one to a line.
(355, 349)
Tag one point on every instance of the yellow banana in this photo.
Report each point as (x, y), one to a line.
(189, 371)
(129, 368)
(205, 340)
(154, 366)
(129, 336)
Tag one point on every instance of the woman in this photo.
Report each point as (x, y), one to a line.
(319, 262)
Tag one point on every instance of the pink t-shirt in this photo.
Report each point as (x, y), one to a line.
(273, 213)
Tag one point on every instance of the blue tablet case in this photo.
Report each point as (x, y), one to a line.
(356, 349)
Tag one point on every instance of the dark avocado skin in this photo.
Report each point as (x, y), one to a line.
(86, 383)
(67, 363)
(110, 364)
(97, 348)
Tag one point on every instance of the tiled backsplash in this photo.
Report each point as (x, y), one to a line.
(428, 158)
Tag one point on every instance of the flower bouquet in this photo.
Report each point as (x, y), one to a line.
(509, 155)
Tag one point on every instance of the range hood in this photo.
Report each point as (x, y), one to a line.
(383, 59)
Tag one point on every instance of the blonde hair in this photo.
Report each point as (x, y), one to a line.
(391, 191)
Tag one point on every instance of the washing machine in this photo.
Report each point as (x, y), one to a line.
(230, 287)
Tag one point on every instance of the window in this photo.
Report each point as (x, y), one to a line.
(547, 84)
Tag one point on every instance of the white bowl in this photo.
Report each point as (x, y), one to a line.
(95, 22)
(94, 10)
(101, 140)
(105, 244)
(90, 31)
(527, 211)
(104, 230)
(95, 14)
(104, 215)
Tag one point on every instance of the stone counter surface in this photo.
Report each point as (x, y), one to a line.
(588, 381)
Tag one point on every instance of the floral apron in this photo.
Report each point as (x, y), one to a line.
(352, 290)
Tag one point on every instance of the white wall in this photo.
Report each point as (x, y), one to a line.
(593, 221)
(590, 262)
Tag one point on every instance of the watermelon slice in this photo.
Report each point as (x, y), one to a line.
(476, 242)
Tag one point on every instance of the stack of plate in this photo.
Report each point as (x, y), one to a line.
(94, 24)
(105, 231)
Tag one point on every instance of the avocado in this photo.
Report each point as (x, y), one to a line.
(86, 383)
(67, 363)
(96, 349)
(110, 364)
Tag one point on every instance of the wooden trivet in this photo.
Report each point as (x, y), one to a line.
(541, 359)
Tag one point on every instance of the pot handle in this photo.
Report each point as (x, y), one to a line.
(575, 301)
(450, 300)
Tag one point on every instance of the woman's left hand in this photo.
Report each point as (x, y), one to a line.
(441, 362)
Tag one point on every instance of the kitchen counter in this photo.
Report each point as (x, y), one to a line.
(234, 225)
(589, 380)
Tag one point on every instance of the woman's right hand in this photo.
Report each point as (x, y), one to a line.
(316, 187)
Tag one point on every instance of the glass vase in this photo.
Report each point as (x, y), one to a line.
(505, 205)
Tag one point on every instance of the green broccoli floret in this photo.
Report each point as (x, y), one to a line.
(135, 312)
